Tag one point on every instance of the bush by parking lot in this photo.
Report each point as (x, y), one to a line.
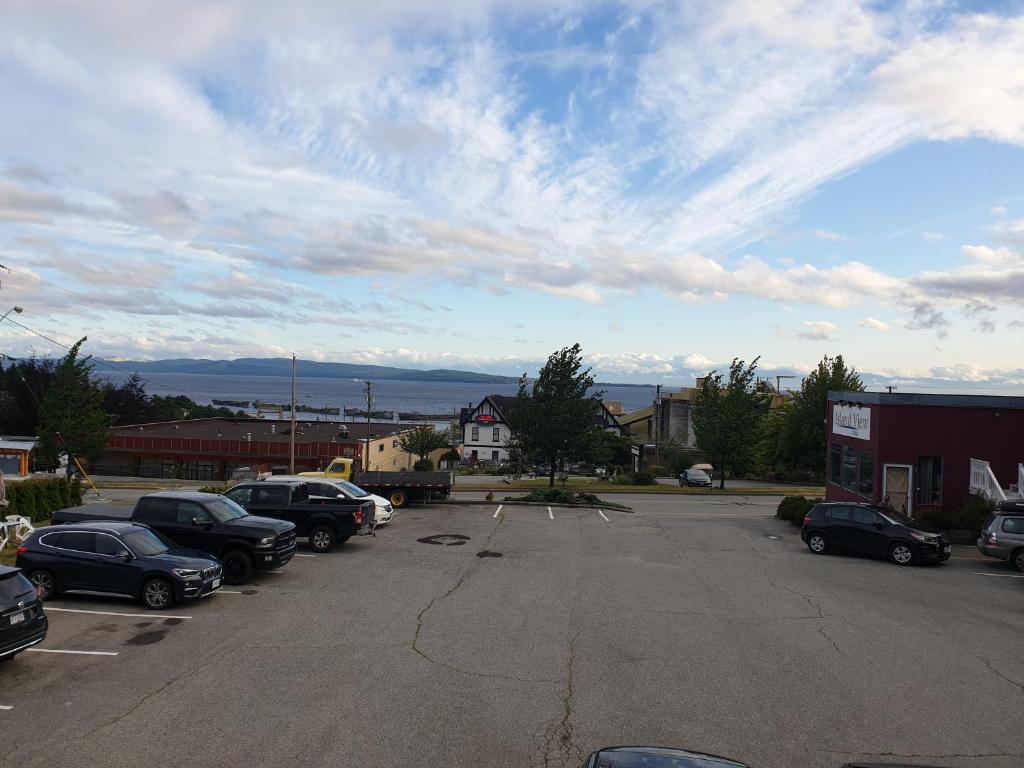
(39, 499)
(970, 516)
(793, 508)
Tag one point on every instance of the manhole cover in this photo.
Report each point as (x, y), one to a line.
(447, 539)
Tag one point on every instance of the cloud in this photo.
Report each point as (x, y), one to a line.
(873, 324)
(924, 316)
(932, 237)
(999, 210)
(824, 234)
(818, 330)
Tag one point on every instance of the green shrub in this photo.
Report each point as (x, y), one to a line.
(39, 499)
(970, 516)
(215, 488)
(642, 478)
(423, 465)
(793, 508)
(658, 470)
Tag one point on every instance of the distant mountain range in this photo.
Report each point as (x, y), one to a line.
(282, 366)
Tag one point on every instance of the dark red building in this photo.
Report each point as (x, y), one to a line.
(917, 449)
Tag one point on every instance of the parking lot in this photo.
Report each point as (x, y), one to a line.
(462, 635)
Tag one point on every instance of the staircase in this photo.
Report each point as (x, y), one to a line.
(985, 484)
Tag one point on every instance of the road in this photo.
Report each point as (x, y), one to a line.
(697, 622)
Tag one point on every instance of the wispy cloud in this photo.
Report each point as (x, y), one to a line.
(873, 324)
(818, 330)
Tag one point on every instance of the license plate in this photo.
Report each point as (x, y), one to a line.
(17, 618)
(946, 548)
(216, 583)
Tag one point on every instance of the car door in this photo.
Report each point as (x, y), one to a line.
(869, 535)
(192, 525)
(80, 566)
(270, 501)
(115, 573)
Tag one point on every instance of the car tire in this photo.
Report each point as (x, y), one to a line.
(901, 553)
(157, 594)
(399, 498)
(237, 567)
(323, 539)
(817, 542)
(1017, 559)
(45, 583)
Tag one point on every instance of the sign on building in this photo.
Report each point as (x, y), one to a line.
(852, 421)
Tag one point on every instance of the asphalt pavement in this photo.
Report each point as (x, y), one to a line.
(466, 636)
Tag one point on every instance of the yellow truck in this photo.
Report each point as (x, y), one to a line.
(400, 488)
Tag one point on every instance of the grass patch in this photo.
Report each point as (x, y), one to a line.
(10, 552)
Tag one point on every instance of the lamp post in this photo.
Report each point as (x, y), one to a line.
(16, 309)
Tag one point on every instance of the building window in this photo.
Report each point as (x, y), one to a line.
(929, 481)
(475, 434)
(494, 456)
(380, 447)
(496, 436)
(852, 469)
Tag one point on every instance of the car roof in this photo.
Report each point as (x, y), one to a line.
(1010, 508)
(104, 526)
(284, 480)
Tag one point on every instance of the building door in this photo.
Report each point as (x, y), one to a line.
(896, 486)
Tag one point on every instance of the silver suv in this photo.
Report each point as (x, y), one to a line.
(1003, 534)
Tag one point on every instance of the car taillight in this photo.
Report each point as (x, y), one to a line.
(22, 550)
(990, 535)
(807, 519)
(358, 516)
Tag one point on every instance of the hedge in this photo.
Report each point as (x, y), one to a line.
(793, 508)
(970, 516)
(39, 499)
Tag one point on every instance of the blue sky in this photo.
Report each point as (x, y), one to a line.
(458, 184)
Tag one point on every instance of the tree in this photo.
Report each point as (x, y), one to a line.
(556, 419)
(71, 415)
(421, 441)
(725, 417)
(804, 439)
(23, 383)
(127, 403)
(769, 445)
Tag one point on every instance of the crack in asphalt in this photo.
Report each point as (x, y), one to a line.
(421, 618)
(1010, 680)
(820, 617)
(931, 755)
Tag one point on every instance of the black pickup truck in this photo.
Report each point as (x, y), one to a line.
(326, 521)
(204, 521)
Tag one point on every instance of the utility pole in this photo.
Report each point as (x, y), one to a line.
(368, 389)
(657, 424)
(890, 387)
(291, 441)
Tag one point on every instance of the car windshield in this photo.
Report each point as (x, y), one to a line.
(14, 586)
(351, 489)
(145, 543)
(223, 510)
(697, 474)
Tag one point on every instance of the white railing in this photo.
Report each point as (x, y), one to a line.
(984, 483)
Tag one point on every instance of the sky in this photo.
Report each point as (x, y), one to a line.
(475, 184)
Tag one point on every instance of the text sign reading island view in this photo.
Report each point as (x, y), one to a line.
(851, 421)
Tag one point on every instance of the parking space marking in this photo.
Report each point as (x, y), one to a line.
(297, 555)
(497, 510)
(229, 592)
(1004, 575)
(111, 613)
(551, 514)
(5, 707)
(76, 653)
(602, 515)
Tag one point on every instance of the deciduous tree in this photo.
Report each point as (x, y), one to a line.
(725, 417)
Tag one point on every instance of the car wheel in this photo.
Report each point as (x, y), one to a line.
(398, 499)
(322, 538)
(237, 567)
(1017, 559)
(901, 553)
(157, 594)
(817, 542)
(45, 584)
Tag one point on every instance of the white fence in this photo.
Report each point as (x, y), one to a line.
(984, 483)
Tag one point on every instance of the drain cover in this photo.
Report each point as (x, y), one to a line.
(447, 539)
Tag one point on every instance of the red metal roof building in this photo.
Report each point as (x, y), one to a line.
(922, 450)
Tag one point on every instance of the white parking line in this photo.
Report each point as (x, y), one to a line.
(297, 555)
(602, 515)
(1005, 575)
(5, 707)
(50, 608)
(551, 514)
(76, 653)
(228, 592)
(497, 510)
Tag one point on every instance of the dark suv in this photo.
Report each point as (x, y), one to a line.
(124, 559)
(872, 530)
(22, 621)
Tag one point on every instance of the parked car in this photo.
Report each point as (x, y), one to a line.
(22, 620)
(696, 477)
(1002, 536)
(205, 521)
(872, 530)
(383, 512)
(123, 559)
(325, 521)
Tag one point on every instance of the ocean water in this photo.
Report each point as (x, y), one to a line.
(420, 396)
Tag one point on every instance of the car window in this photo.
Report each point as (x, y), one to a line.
(80, 541)
(159, 510)
(15, 586)
(51, 539)
(866, 516)
(108, 545)
(838, 514)
(270, 496)
(189, 511)
(241, 496)
(1013, 525)
(144, 543)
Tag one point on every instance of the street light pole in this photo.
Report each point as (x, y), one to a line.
(291, 441)
(15, 309)
(369, 404)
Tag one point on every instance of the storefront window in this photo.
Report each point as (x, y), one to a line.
(929, 480)
(852, 469)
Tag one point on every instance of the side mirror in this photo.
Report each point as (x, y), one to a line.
(126, 556)
(199, 521)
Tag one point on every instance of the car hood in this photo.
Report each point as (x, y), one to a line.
(378, 501)
(257, 524)
(915, 525)
(187, 558)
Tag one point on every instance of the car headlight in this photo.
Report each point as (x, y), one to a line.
(929, 537)
(388, 507)
(266, 541)
(186, 573)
